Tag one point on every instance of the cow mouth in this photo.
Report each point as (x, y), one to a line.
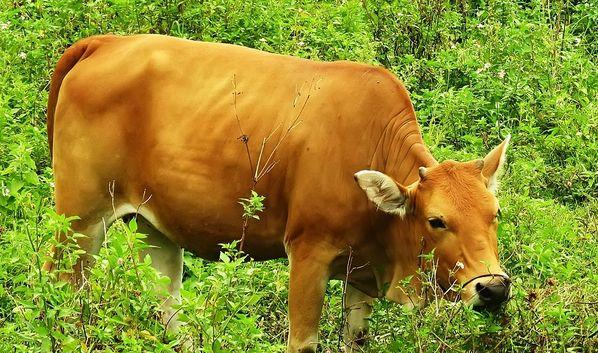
(490, 295)
(488, 308)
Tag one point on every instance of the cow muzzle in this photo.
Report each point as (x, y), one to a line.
(491, 290)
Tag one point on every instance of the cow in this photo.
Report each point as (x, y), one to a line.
(174, 131)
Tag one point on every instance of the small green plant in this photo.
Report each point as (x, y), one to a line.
(252, 205)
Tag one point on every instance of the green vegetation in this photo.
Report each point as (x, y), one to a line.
(476, 71)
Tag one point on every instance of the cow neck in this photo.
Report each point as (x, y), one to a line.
(401, 151)
(404, 260)
(402, 148)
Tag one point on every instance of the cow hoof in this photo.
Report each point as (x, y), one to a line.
(307, 350)
(357, 342)
(361, 338)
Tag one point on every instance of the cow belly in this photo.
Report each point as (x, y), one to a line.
(200, 227)
(194, 199)
(201, 232)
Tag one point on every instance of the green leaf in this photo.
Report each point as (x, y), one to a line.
(224, 258)
(133, 225)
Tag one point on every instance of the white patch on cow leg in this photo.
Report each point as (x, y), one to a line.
(358, 308)
(167, 259)
(91, 244)
(95, 233)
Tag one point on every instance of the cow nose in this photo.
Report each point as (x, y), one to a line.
(493, 293)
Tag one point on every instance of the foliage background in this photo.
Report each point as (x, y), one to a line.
(477, 70)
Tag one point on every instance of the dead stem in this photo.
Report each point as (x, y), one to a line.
(260, 170)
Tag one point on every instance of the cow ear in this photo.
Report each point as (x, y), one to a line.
(493, 164)
(383, 191)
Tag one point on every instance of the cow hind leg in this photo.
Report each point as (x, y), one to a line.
(87, 233)
(358, 308)
(167, 259)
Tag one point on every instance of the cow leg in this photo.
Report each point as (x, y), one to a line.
(80, 192)
(167, 259)
(93, 232)
(308, 278)
(358, 308)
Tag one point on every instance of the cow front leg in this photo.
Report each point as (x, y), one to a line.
(358, 308)
(310, 271)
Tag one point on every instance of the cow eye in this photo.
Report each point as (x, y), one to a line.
(436, 223)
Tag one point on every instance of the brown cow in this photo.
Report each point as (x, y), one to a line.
(162, 116)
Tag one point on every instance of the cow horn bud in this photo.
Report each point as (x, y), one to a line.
(422, 172)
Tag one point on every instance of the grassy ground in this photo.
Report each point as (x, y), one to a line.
(476, 71)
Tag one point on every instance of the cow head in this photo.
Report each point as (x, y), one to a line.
(452, 210)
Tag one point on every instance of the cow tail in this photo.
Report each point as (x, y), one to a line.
(68, 60)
